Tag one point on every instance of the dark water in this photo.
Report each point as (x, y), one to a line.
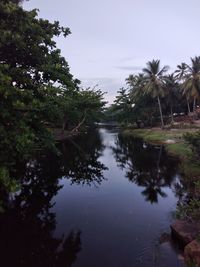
(106, 202)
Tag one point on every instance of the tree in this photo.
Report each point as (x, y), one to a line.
(30, 65)
(181, 71)
(191, 85)
(181, 74)
(36, 86)
(122, 106)
(154, 82)
(172, 87)
(136, 84)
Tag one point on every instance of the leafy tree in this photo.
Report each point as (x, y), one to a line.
(36, 87)
(80, 107)
(122, 106)
(194, 140)
(143, 106)
(30, 65)
(136, 84)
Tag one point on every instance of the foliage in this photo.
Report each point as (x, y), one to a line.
(30, 64)
(190, 210)
(37, 90)
(191, 84)
(175, 94)
(194, 140)
(10, 185)
(145, 165)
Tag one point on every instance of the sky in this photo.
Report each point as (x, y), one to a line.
(114, 38)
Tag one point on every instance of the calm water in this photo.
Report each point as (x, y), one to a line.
(105, 202)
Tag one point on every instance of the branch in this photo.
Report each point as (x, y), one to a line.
(80, 123)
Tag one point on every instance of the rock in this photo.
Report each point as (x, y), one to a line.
(185, 232)
(180, 257)
(170, 141)
(192, 252)
(165, 237)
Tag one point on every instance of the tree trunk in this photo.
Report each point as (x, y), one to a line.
(161, 115)
(158, 162)
(172, 117)
(79, 124)
(188, 105)
(194, 104)
(64, 125)
(194, 108)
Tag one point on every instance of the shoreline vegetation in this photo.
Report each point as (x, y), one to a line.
(173, 139)
(175, 144)
(156, 98)
(186, 229)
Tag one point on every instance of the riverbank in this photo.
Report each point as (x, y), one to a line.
(172, 139)
(187, 211)
(175, 145)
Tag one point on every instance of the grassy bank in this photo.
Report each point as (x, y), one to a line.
(175, 145)
(172, 139)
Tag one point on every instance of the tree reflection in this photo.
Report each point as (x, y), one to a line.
(27, 227)
(146, 165)
(28, 223)
(81, 159)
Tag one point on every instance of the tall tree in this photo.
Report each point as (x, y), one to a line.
(136, 84)
(154, 82)
(30, 66)
(191, 85)
(36, 86)
(172, 87)
(181, 74)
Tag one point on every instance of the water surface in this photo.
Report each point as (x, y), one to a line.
(105, 202)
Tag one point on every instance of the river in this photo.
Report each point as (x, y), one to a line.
(106, 201)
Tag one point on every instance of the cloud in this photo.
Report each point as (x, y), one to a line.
(131, 68)
(98, 80)
(125, 59)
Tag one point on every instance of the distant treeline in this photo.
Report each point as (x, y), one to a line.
(154, 95)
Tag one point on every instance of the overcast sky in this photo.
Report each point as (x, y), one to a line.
(114, 38)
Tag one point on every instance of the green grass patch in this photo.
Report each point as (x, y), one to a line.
(146, 134)
(181, 149)
(190, 169)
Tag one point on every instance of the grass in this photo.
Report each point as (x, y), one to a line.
(181, 150)
(172, 139)
(189, 165)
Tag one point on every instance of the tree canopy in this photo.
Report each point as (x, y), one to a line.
(174, 92)
(38, 91)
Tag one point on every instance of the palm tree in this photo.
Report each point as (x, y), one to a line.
(181, 71)
(154, 82)
(181, 75)
(136, 84)
(172, 87)
(191, 84)
(130, 81)
(134, 80)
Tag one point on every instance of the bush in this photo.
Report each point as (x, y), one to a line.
(194, 140)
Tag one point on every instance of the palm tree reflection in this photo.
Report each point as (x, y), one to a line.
(146, 165)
